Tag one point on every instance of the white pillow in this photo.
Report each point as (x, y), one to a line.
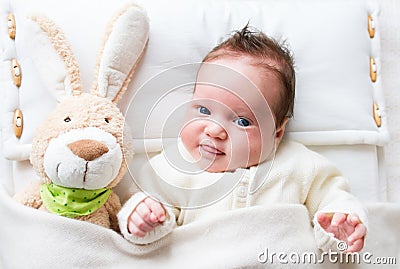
(332, 49)
(330, 41)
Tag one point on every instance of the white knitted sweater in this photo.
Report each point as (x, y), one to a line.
(298, 176)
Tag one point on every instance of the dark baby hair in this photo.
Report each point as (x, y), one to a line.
(275, 57)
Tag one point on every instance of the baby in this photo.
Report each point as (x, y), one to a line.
(226, 132)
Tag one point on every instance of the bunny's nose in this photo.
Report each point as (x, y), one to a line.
(88, 149)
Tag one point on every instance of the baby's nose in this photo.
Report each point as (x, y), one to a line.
(216, 130)
(88, 149)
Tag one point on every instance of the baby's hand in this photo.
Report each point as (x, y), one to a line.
(345, 227)
(145, 217)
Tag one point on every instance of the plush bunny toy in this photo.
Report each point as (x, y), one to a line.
(80, 150)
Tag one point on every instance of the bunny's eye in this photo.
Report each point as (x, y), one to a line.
(107, 120)
(67, 119)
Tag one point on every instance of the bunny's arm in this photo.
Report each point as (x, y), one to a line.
(113, 206)
(30, 196)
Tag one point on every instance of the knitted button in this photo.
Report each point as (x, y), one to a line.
(18, 123)
(242, 191)
(377, 115)
(11, 26)
(371, 26)
(372, 69)
(16, 72)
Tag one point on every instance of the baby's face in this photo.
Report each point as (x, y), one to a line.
(225, 131)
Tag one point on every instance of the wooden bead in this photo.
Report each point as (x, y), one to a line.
(18, 123)
(11, 26)
(372, 69)
(371, 26)
(16, 72)
(377, 115)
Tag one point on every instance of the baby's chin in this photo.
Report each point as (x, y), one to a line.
(217, 168)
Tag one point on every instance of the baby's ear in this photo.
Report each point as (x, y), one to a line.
(53, 57)
(124, 43)
(280, 131)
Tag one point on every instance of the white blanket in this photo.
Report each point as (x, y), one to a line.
(233, 240)
(266, 237)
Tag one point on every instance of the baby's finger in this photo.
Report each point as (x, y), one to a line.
(158, 211)
(356, 246)
(348, 225)
(359, 233)
(338, 218)
(140, 223)
(133, 228)
(145, 213)
(353, 219)
(324, 220)
(136, 232)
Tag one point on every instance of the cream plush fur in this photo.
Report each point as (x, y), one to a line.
(84, 143)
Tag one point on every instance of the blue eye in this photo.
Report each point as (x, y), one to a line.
(204, 110)
(242, 122)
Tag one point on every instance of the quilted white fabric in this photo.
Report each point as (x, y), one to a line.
(334, 90)
(390, 40)
(334, 94)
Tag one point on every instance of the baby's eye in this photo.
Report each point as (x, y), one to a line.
(107, 120)
(204, 110)
(67, 119)
(242, 122)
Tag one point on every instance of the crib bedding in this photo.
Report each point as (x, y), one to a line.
(67, 243)
(257, 231)
(80, 244)
(335, 119)
(362, 170)
(338, 112)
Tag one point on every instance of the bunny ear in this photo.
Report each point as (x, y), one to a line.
(54, 59)
(124, 44)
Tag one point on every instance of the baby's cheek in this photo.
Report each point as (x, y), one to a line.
(190, 138)
(185, 135)
(255, 146)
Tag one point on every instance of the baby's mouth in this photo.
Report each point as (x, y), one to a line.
(211, 149)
